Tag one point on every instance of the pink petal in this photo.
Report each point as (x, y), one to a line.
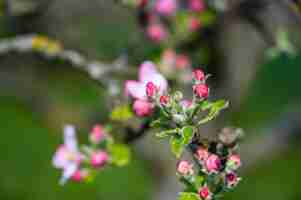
(143, 108)
(68, 173)
(70, 138)
(146, 69)
(135, 89)
(60, 157)
(159, 81)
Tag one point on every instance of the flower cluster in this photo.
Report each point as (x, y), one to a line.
(164, 19)
(81, 164)
(150, 82)
(179, 120)
(175, 66)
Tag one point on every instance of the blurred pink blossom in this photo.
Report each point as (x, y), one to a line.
(166, 7)
(67, 157)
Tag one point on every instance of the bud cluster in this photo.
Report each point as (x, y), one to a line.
(156, 16)
(80, 163)
(216, 170)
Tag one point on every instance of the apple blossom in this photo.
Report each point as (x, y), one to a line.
(205, 193)
(67, 157)
(147, 73)
(201, 90)
(233, 162)
(143, 108)
(156, 32)
(212, 164)
(185, 168)
(166, 7)
(97, 134)
(99, 159)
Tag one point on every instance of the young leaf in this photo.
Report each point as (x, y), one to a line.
(177, 146)
(188, 196)
(187, 134)
(167, 133)
(120, 154)
(215, 108)
(122, 113)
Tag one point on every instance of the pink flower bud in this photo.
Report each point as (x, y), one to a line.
(164, 100)
(194, 24)
(202, 154)
(232, 180)
(99, 159)
(199, 75)
(182, 62)
(233, 162)
(205, 193)
(212, 164)
(196, 5)
(185, 168)
(156, 32)
(166, 7)
(201, 90)
(142, 108)
(151, 89)
(77, 176)
(97, 134)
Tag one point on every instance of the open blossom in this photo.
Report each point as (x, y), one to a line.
(138, 89)
(205, 193)
(67, 156)
(156, 32)
(166, 7)
(143, 108)
(147, 73)
(99, 159)
(233, 162)
(196, 5)
(97, 134)
(185, 168)
(212, 164)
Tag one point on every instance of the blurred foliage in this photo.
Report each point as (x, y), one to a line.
(26, 148)
(276, 178)
(275, 90)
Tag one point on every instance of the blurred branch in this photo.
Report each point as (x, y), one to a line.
(52, 50)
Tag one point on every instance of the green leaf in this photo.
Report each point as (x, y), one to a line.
(167, 133)
(198, 181)
(188, 196)
(215, 109)
(177, 146)
(187, 134)
(121, 113)
(120, 154)
(205, 105)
